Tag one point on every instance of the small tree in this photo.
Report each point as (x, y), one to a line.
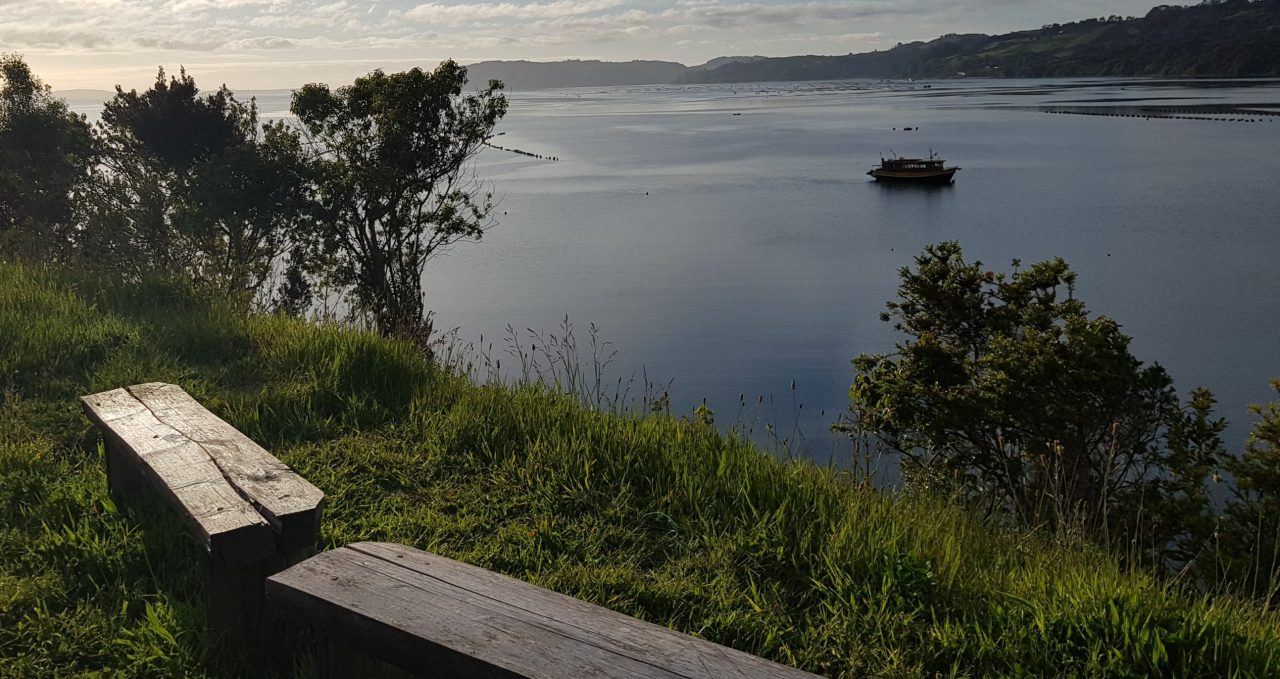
(390, 154)
(194, 186)
(1009, 393)
(46, 153)
(1248, 545)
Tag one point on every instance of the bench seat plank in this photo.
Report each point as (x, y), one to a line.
(184, 473)
(433, 614)
(243, 503)
(286, 500)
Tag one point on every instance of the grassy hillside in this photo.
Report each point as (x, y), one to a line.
(660, 518)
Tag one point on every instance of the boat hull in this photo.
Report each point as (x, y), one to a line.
(946, 176)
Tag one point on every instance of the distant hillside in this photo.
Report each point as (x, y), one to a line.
(1232, 38)
(1222, 38)
(721, 61)
(533, 75)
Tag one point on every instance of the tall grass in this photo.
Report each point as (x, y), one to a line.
(659, 517)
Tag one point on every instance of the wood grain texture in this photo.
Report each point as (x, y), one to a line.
(243, 502)
(440, 617)
(286, 500)
(180, 470)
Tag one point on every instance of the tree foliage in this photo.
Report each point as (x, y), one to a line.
(46, 154)
(370, 182)
(172, 125)
(193, 185)
(1010, 393)
(390, 154)
(1248, 537)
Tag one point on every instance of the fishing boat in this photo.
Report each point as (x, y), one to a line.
(931, 170)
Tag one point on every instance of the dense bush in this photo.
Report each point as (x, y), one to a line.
(1010, 395)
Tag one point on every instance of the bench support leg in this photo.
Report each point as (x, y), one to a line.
(234, 599)
(125, 481)
(343, 661)
(236, 595)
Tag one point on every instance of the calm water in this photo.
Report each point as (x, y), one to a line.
(735, 254)
(727, 238)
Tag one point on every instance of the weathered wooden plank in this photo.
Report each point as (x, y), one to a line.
(589, 623)
(427, 630)
(181, 471)
(426, 611)
(107, 406)
(288, 502)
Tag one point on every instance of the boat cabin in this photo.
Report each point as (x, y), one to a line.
(911, 164)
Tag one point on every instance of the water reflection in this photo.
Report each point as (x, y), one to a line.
(915, 187)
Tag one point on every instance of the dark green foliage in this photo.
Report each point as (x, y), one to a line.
(46, 152)
(193, 186)
(391, 153)
(174, 126)
(1247, 544)
(295, 295)
(247, 205)
(1009, 393)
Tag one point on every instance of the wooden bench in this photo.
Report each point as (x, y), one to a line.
(376, 609)
(252, 514)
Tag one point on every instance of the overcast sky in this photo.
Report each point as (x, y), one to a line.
(259, 44)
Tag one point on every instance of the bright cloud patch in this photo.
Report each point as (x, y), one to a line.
(485, 12)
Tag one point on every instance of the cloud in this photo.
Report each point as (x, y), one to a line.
(188, 6)
(854, 37)
(262, 42)
(455, 15)
(52, 38)
(748, 14)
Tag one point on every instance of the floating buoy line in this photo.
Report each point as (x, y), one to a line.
(554, 159)
(1222, 115)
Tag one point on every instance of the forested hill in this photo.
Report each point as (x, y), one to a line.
(1233, 38)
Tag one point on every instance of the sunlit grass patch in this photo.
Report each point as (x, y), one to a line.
(49, 336)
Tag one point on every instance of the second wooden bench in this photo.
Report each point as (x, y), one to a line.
(384, 610)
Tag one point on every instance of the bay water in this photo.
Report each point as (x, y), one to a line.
(727, 242)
